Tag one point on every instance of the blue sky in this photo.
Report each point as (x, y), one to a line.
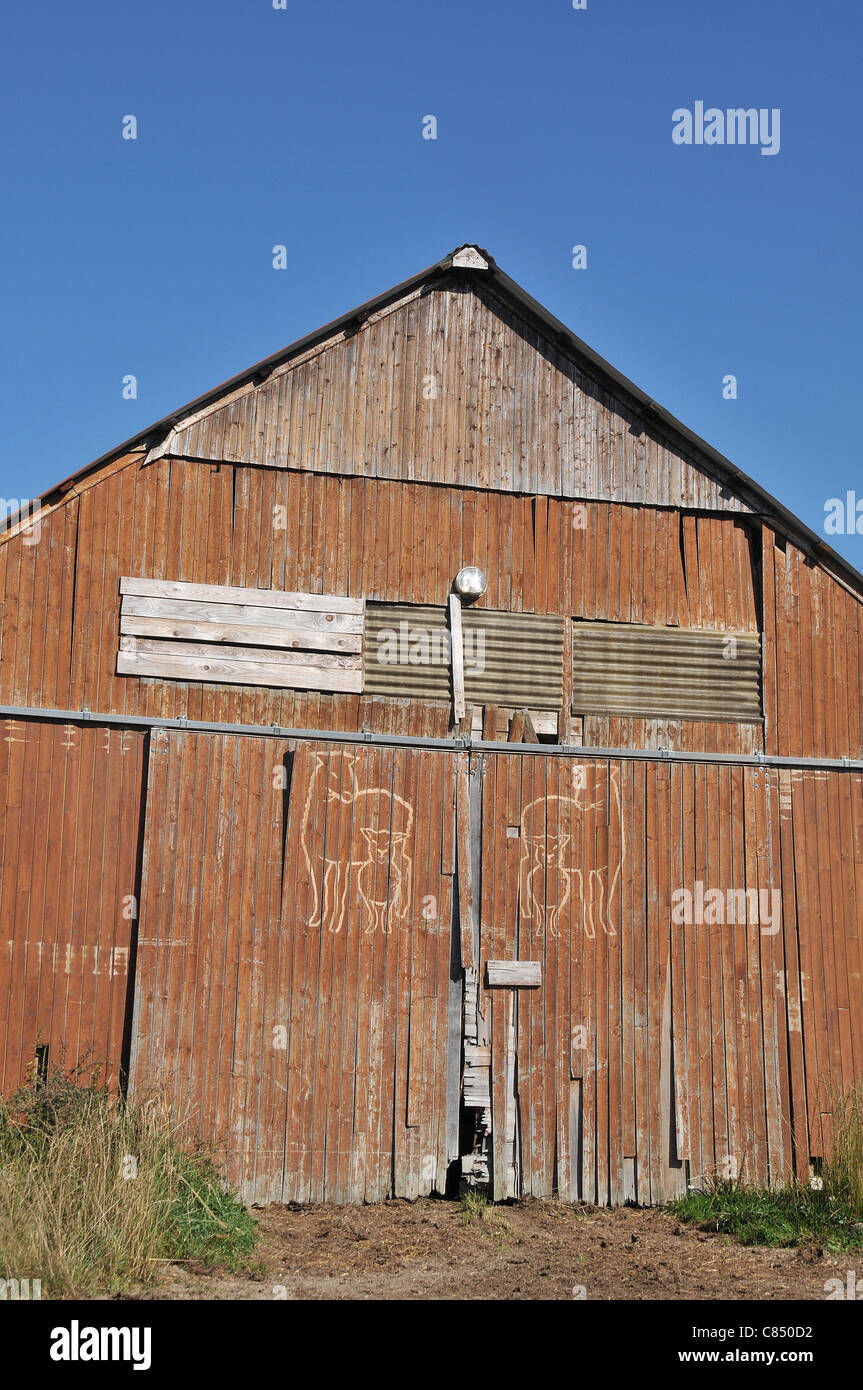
(303, 127)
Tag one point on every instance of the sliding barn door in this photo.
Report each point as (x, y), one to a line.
(367, 910)
(659, 1047)
(294, 977)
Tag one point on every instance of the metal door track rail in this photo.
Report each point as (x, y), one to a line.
(544, 750)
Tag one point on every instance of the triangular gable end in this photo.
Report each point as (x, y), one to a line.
(478, 364)
(452, 383)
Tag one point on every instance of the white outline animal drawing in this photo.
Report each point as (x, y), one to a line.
(381, 830)
(548, 879)
(546, 885)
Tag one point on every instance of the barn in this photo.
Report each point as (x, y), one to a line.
(433, 763)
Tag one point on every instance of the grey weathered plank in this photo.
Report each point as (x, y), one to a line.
(231, 671)
(223, 593)
(524, 974)
(191, 630)
(260, 615)
(324, 661)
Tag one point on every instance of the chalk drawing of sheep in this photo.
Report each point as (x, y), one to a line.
(380, 858)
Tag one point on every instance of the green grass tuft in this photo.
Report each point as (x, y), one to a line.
(794, 1215)
(204, 1222)
(474, 1205)
(95, 1193)
(828, 1213)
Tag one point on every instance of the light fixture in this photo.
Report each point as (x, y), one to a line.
(470, 582)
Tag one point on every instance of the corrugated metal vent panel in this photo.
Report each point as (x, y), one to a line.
(682, 673)
(512, 659)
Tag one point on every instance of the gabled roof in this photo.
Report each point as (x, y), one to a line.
(470, 260)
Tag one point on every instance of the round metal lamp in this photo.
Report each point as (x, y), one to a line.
(470, 583)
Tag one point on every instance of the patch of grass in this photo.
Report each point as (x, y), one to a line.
(828, 1213)
(793, 1215)
(95, 1192)
(842, 1173)
(474, 1205)
(478, 1208)
(205, 1221)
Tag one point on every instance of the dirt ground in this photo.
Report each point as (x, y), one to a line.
(533, 1250)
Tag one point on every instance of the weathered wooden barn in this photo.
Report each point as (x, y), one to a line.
(551, 876)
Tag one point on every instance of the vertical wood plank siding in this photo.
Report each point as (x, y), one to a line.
(691, 1049)
(528, 419)
(813, 669)
(653, 1050)
(70, 800)
(344, 944)
(403, 543)
(394, 547)
(654, 1053)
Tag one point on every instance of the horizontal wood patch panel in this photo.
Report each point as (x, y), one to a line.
(210, 632)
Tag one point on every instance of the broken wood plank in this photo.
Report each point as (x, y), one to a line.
(526, 729)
